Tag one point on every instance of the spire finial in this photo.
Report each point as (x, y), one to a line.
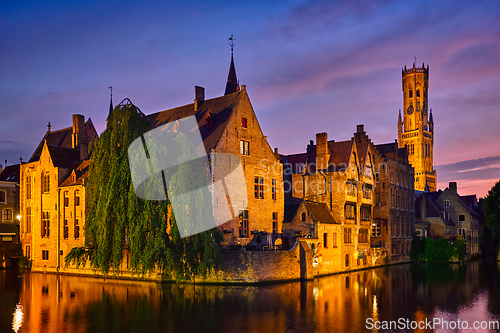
(231, 43)
(49, 126)
(111, 101)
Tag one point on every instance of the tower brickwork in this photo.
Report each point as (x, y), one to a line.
(416, 127)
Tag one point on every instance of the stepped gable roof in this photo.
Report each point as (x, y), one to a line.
(10, 173)
(63, 157)
(81, 170)
(319, 212)
(293, 161)
(219, 108)
(290, 211)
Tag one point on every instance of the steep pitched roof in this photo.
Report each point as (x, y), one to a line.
(63, 157)
(10, 174)
(220, 110)
(468, 203)
(319, 212)
(81, 171)
(59, 138)
(292, 162)
(340, 154)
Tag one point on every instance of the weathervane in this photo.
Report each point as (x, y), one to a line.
(231, 43)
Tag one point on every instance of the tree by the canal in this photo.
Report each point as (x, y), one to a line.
(120, 223)
(491, 207)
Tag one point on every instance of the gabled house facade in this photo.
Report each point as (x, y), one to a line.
(9, 204)
(228, 124)
(53, 195)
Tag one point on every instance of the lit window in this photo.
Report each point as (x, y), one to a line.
(259, 187)
(244, 122)
(347, 235)
(46, 182)
(45, 224)
(365, 213)
(7, 214)
(28, 187)
(350, 212)
(273, 188)
(243, 227)
(244, 148)
(303, 217)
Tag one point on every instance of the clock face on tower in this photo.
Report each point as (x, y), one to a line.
(409, 111)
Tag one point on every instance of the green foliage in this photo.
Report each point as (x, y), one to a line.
(431, 250)
(121, 223)
(491, 207)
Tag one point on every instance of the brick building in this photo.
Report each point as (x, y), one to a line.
(394, 218)
(53, 195)
(448, 214)
(416, 128)
(9, 204)
(339, 177)
(228, 124)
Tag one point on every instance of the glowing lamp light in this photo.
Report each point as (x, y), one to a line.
(18, 217)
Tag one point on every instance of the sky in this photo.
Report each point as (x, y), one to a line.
(309, 67)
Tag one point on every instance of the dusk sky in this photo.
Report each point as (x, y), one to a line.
(309, 67)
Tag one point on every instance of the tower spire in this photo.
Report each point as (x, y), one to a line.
(232, 85)
(111, 101)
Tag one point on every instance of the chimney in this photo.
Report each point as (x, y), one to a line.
(453, 187)
(322, 152)
(360, 128)
(199, 96)
(79, 137)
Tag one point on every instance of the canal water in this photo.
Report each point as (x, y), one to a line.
(402, 296)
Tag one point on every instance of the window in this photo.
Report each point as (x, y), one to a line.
(244, 148)
(367, 191)
(350, 212)
(418, 92)
(410, 93)
(347, 236)
(45, 254)
(376, 229)
(28, 220)
(347, 264)
(351, 188)
(27, 252)
(28, 187)
(446, 203)
(325, 240)
(66, 199)
(46, 182)
(7, 214)
(461, 231)
(45, 224)
(77, 229)
(273, 188)
(446, 215)
(66, 230)
(303, 217)
(244, 122)
(3, 197)
(275, 223)
(243, 228)
(334, 240)
(363, 235)
(365, 213)
(259, 187)
(77, 199)
(461, 218)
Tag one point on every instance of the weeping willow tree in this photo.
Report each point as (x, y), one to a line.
(120, 222)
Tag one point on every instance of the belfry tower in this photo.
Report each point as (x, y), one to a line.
(416, 129)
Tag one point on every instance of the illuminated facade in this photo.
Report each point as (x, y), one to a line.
(416, 128)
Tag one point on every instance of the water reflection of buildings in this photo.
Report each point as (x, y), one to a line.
(338, 303)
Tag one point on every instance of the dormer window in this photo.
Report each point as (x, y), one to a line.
(244, 122)
(210, 120)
